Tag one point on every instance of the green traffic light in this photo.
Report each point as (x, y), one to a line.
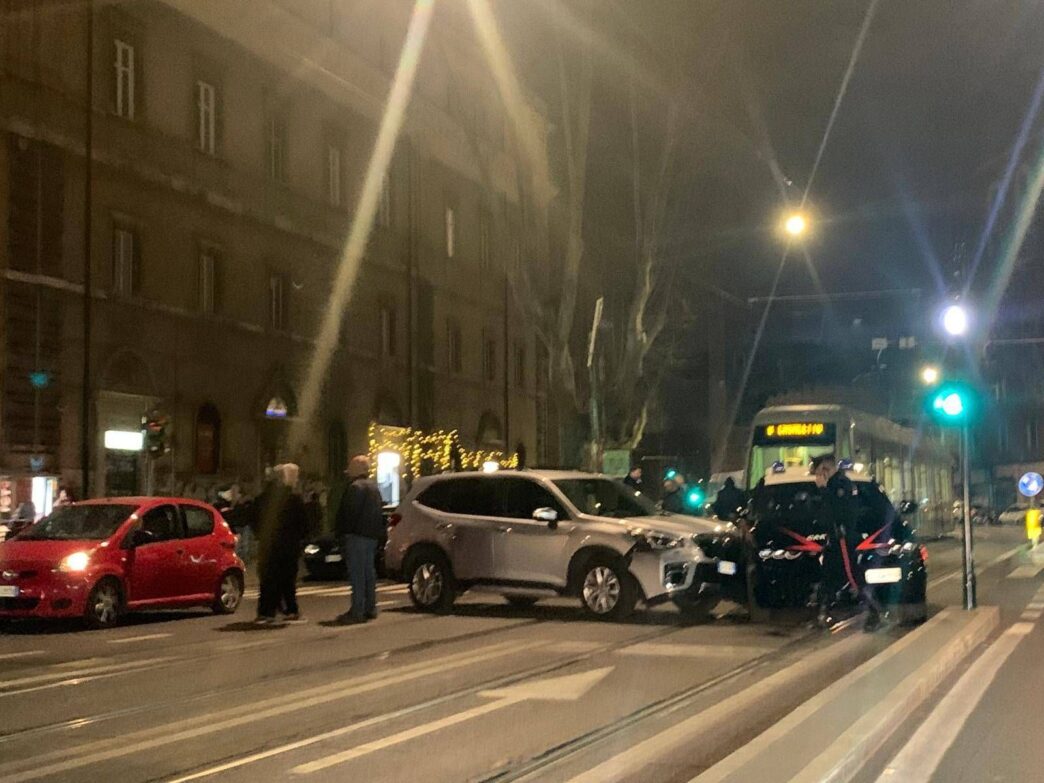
(951, 404)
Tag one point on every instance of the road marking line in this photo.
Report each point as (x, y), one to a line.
(77, 673)
(569, 687)
(26, 654)
(1030, 615)
(146, 637)
(693, 650)
(959, 572)
(89, 753)
(1035, 605)
(403, 736)
(920, 757)
(573, 647)
(1026, 571)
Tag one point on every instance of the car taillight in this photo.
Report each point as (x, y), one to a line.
(924, 553)
(394, 519)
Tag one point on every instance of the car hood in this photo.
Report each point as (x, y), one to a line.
(673, 524)
(42, 552)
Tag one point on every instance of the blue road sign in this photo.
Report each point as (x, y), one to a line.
(1031, 484)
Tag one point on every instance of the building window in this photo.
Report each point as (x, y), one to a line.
(451, 232)
(388, 346)
(489, 359)
(126, 262)
(455, 348)
(208, 440)
(276, 143)
(208, 263)
(336, 449)
(277, 304)
(206, 117)
(543, 367)
(384, 206)
(520, 365)
(334, 177)
(486, 242)
(124, 79)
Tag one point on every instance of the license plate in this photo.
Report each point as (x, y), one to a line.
(726, 567)
(332, 558)
(8, 591)
(883, 576)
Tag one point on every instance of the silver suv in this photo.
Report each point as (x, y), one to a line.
(538, 534)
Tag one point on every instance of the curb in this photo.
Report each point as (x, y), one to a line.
(846, 754)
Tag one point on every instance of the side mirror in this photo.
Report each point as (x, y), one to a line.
(548, 515)
(138, 537)
(907, 507)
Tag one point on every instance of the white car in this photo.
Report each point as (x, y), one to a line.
(1013, 515)
(538, 534)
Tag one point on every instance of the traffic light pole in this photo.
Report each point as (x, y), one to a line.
(969, 554)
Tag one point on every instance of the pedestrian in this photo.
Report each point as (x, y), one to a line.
(282, 528)
(673, 499)
(634, 478)
(361, 528)
(729, 500)
(65, 497)
(838, 517)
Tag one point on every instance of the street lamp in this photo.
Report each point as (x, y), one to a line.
(955, 320)
(795, 225)
(929, 375)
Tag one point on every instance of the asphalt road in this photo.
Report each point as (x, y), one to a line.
(488, 693)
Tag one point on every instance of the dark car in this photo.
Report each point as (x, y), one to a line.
(776, 564)
(324, 561)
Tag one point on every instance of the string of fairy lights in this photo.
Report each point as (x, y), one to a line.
(432, 452)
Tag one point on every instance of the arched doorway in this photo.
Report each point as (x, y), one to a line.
(490, 433)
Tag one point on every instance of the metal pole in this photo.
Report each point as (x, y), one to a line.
(969, 556)
(85, 397)
(507, 365)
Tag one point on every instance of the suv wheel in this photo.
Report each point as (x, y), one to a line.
(431, 582)
(607, 590)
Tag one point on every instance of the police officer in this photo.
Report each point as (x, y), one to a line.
(838, 516)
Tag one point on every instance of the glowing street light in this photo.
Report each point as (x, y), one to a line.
(929, 375)
(955, 320)
(795, 225)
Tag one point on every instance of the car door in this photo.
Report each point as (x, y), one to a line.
(202, 551)
(526, 549)
(461, 510)
(157, 565)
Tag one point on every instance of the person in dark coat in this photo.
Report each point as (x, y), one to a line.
(839, 517)
(283, 523)
(673, 496)
(361, 528)
(634, 478)
(728, 501)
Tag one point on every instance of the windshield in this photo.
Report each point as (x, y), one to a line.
(606, 498)
(792, 455)
(93, 522)
(794, 503)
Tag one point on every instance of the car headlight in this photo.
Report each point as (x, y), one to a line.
(311, 549)
(77, 561)
(650, 539)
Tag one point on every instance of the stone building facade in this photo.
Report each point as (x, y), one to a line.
(230, 142)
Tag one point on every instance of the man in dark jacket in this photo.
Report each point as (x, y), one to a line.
(728, 501)
(282, 529)
(360, 526)
(839, 518)
(634, 478)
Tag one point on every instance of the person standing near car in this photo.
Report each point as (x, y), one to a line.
(634, 478)
(838, 517)
(360, 527)
(283, 522)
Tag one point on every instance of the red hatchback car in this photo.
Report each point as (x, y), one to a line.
(100, 558)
